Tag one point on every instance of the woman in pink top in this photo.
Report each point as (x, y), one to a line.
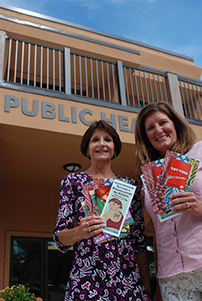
(178, 240)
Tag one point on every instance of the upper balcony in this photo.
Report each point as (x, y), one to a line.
(44, 69)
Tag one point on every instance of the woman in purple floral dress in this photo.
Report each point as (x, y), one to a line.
(115, 269)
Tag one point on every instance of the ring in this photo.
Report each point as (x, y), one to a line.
(188, 206)
(89, 229)
(88, 224)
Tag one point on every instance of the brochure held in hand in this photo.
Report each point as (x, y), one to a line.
(97, 194)
(177, 173)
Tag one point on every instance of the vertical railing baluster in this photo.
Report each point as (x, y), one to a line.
(131, 84)
(113, 81)
(22, 62)
(92, 81)
(47, 68)
(183, 100)
(41, 68)
(35, 64)
(80, 74)
(195, 100)
(53, 69)
(108, 81)
(74, 59)
(191, 100)
(157, 98)
(187, 98)
(141, 87)
(199, 98)
(136, 85)
(97, 77)
(151, 89)
(103, 82)
(60, 71)
(145, 82)
(16, 60)
(165, 91)
(160, 88)
(86, 75)
(28, 63)
(126, 86)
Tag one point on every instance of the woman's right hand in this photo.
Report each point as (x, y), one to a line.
(90, 226)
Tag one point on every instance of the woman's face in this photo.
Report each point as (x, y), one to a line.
(101, 146)
(114, 206)
(160, 131)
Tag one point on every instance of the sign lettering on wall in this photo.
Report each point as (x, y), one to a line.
(48, 111)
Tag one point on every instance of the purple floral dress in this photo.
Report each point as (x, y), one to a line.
(106, 271)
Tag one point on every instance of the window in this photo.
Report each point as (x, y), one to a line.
(38, 262)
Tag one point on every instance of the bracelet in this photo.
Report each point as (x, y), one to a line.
(148, 292)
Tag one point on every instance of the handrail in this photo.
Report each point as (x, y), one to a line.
(191, 94)
(61, 70)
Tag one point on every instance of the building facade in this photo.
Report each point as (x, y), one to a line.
(55, 79)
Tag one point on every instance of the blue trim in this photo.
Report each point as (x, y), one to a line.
(187, 79)
(41, 16)
(194, 121)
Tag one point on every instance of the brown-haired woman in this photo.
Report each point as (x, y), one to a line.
(113, 270)
(177, 241)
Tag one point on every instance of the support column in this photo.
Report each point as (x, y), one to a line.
(174, 96)
(67, 71)
(121, 87)
(2, 52)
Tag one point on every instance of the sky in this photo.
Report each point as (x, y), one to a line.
(173, 25)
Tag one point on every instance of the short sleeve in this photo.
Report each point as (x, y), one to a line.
(65, 218)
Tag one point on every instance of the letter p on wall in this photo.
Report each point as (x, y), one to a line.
(11, 102)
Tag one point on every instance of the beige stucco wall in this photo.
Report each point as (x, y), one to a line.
(16, 117)
(27, 211)
(43, 31)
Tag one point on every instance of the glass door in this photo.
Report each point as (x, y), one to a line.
(59, 266)
(37, 262)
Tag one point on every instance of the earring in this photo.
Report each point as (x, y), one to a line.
(88, 156)
(114, 156)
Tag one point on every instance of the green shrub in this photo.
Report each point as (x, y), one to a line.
(17, 293)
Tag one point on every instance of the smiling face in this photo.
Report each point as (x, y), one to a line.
(160, 131)
(101, 146)
(114, 206)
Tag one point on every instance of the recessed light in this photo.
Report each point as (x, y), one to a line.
(72, 167)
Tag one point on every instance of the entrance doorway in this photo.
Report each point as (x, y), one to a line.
(38, 263)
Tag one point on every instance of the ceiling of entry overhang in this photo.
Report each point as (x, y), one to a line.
(36, 157)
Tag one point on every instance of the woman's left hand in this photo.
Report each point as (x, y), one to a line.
(186, 202)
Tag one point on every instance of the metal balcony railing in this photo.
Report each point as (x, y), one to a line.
(191, 94)
(41, 66)
(144, 86)
(94, 78)
(33, 64)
